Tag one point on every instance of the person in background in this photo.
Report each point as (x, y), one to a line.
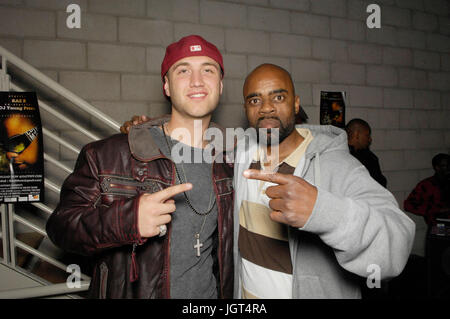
(431, 197)
(359, 140)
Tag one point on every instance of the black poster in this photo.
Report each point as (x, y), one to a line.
(21, 148)
(332, 108)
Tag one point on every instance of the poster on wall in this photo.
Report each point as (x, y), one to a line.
(21, 148)
(332, 108)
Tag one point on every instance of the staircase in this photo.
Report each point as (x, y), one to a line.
(30, 265)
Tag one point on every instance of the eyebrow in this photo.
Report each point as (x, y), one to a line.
(278, 91)
(203, 64)
(211, 64)
(270, 93)
(180, 64)
(252, 95)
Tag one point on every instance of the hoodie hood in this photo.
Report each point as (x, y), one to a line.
(327, 138)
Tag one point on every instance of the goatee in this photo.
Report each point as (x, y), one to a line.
(274, 136)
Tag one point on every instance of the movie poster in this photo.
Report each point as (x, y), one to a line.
(332, 108)
(21, 148)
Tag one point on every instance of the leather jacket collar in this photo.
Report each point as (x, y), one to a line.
(143, 146)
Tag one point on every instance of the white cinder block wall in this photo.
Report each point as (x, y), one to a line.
(397, 77)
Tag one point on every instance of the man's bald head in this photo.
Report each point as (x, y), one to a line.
(268, 70)
(356, 124)
(359, 133)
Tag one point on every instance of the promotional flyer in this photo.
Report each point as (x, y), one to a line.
(21, 148)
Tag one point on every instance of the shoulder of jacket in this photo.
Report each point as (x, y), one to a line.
(113, 142)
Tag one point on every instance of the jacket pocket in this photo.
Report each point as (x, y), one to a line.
(225, 186)
(103, 280)
(117, 187)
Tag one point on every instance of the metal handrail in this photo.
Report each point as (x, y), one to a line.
(58, 88)
(61, 141)
(10, 243)
(29, 224)
(42, 207)
(60, 116)
(52, 186)
(35, 252)
(55, 162)
(4, 77)
(43, 291)
(12, 239)
(5, 240)
(44, 257)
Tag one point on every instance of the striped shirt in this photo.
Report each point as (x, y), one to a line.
(266, 268)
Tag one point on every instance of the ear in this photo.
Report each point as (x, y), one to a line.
(221, 87)
(166, 85)
(297, 104)
(352, 138)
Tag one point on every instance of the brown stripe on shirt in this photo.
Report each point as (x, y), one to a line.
(262, 241)
(268, 252)
(284, 168)
(254, 248)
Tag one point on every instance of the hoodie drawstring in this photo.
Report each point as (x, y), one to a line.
(317, 170)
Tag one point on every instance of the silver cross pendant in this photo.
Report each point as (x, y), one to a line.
(198, 245)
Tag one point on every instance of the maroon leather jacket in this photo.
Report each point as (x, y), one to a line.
(97, 216)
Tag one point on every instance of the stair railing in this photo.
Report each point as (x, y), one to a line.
(8, 215)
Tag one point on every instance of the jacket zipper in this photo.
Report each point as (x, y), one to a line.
(219, 232)
(134, 268)
(166, 272)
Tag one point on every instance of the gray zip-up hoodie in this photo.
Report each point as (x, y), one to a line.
(356, 227)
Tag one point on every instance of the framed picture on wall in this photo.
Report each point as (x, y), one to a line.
(332, 108)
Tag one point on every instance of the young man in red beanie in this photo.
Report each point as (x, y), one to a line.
(157, 226)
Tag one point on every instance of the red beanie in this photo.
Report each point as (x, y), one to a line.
(192, 45)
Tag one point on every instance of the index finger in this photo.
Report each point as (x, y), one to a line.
(272, 177)
(171, 191)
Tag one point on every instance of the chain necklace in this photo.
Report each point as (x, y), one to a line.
(198, 244)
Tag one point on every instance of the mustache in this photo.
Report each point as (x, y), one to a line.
(267, 118)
